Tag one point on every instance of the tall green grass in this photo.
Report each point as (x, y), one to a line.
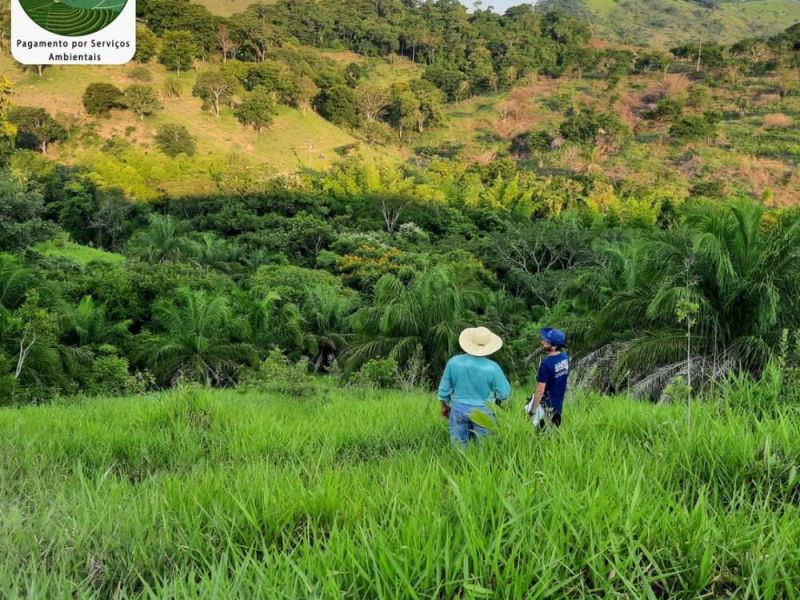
(359, 495)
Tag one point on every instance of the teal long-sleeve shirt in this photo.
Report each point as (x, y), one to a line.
(473, 380)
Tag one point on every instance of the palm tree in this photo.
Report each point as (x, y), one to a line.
(15, 281)
(737, 263)
(88, 324)
(161, 241)
(430, 311)
(197, 339)
(272, 323)
(216, 252)
(326, 313)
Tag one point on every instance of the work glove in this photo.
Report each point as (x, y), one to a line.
(445, 411)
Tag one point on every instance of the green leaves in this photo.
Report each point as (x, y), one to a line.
(481, 419)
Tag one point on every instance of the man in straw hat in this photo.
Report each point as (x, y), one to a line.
(471, 381)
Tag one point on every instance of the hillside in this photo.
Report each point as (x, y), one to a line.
(669, 22)
(475, 106)
(295, 141)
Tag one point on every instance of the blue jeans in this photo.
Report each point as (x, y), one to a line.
(462, 429)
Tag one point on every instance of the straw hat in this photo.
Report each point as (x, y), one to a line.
(479, 341)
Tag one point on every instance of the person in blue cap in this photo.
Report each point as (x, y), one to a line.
(470, 382)
(552, 377)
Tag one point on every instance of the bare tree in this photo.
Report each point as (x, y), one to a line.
(372, 100)
(392, 208)
(225, 42)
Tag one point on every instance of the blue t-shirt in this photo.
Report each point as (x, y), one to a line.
(473, 380)
(553, 372)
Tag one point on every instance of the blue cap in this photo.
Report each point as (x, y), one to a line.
(554, 336)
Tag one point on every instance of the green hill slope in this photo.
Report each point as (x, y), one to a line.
(664, 22)
(295, 141)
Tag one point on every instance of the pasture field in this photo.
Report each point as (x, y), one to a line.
(78, 253)
(358, 494)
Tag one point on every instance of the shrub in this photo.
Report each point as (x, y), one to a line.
(667, 109)
(676, 391)
(534, 141)
(278, 375)
(699, 96)
(695, 127)
(100, 98)
(141, 74)
(171, 88)
(109, 374)
(173, 140)
(377, 373)
(8, 388)
(585, 125)
(414, 374)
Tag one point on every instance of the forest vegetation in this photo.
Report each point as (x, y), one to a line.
(644, 198)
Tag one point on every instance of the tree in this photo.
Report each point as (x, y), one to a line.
(585, 126)
(404, 111)
(162, 241)
(752, 51)
(214, 87)
(322, 303)
(253, 34)
(146, 44)
(430, 311)
(8, 131)
(35, 127)
(431, 103)
(100, 98)
(257, 110)
(142, 99)
(175, 139)
(21, 216)
(36, 330)
(226, 43)
(372, 101)
(305, 90)
(195, 338)
(87, 324)
(353, 74)
(339, 105)
(178, 50)
(729, 273)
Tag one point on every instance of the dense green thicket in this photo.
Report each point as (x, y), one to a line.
(379, 262)
(371, 262)
(358, 494)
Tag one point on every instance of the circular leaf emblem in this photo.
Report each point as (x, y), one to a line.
(73, 17)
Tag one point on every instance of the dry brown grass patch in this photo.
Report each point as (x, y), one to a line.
(675, 84)
(777, 121)
(767, 99)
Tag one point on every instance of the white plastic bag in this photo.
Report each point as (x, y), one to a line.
(537, 416)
